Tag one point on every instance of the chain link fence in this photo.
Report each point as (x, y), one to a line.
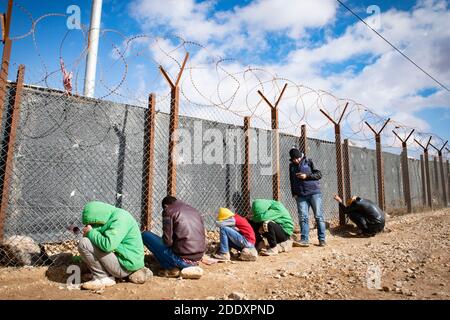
(70, 150)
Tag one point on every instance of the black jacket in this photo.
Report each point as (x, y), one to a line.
(366, 208)
(308, 186)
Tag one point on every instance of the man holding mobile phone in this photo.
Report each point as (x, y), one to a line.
(305, 187)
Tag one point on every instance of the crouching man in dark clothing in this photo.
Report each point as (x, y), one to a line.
(368, 217)
(183, 242)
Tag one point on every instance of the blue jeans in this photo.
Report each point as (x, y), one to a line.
(303, 205)
(229, 237)
(165, 256)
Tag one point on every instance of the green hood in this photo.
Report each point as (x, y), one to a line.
(96, 212)
(115, 230)
(260, 206)
(265, 210)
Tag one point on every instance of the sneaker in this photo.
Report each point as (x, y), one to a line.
(99, 284)
(140, 276)
(270, 252)
(248, 254)
(172, 273)
(222, 256)
(285, 246)
(303, 244)
(322, 243)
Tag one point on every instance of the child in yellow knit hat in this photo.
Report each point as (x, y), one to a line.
(237, 233)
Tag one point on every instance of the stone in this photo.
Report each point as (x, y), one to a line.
(386, 289)
(236, 296)
(249, 254)
(277, 276)
(192, 273)
(19, 251)
(140, 276)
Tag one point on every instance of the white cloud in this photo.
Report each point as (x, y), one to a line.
(197, 21)
(388, 83)
(285, 15)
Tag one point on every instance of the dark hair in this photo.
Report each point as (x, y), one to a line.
(168, 200)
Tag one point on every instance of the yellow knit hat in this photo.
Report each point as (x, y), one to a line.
(224, 214)
(351, 200)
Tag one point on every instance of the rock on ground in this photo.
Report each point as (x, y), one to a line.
(192, 273)
(19, 251)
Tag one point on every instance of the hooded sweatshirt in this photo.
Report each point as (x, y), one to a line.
(115, 230)
(265, 210)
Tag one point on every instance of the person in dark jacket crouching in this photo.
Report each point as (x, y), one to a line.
(305, 189)
(183, 242)
(367, 216)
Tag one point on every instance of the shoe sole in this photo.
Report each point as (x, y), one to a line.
(248, 258)
(98, 288)
(268, 254)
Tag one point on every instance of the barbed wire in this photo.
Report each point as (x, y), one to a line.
(235, 88)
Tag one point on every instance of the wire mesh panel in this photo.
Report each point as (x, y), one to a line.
(287, 142)
(210, 167)
(393, 185)
(261, 169)
(322, 153)
(436, 192)
(363, 173)
(69, 151)
(415, 179)
(160, 169)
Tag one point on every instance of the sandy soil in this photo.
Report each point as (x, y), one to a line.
(412, 258)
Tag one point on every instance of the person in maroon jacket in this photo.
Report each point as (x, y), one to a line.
(235, 232)
(183, 242)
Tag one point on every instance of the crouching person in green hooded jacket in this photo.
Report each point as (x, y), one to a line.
(111, 246)
(272, 221)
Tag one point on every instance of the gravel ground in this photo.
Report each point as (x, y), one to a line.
(410, 260)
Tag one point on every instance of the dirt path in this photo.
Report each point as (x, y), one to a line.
(413, 257)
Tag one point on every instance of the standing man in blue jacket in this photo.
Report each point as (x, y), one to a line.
(305, 189)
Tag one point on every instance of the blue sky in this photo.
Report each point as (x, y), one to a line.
(316, 44)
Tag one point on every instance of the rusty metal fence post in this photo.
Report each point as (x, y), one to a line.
(340, 182)
(303, 140)
(448, 179)
(380, 168)
(405, 171)
(7, 45)
(347, 173)
(246, 168)
(149, 162)
(275, 143)
(448, 176)
(441, 167)
(10, 140)
(427, 171)
(173, 127)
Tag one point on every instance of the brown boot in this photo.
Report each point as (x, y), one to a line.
(172, 273)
